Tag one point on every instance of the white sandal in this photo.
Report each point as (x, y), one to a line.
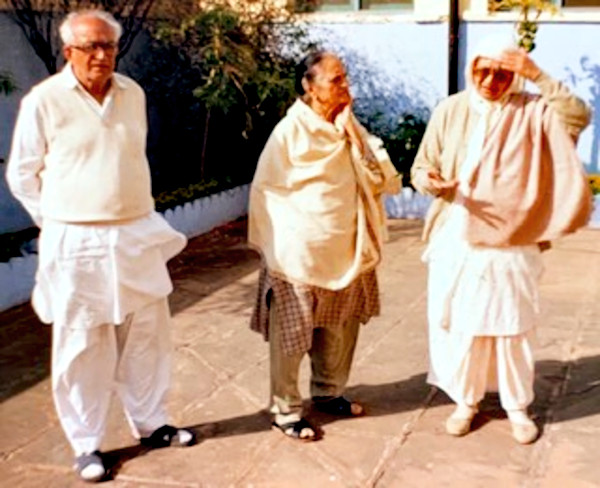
(459, 423)
(524, 430)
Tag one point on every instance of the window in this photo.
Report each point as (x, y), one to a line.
(581, 3)
(384, 4)
(332, 5)
(564, 3)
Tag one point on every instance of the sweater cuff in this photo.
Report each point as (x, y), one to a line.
(545, 82)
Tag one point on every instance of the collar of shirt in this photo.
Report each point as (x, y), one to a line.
(70, 81)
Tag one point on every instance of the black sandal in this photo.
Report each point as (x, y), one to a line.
(169, 436)
(339, 406)
(293, 430)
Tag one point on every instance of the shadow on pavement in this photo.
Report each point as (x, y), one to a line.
(401, 228)
(568, 390)
(382, 399)
(209, 262)
(24, 350)
(115, 459)
(580, 397)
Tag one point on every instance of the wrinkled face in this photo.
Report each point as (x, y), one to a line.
(93, 52)
(329, 85)
(490, 81)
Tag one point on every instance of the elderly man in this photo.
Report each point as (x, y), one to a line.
(503, 166)
(78, 165)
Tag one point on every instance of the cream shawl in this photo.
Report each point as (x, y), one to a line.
(530, 185)
(314, 213)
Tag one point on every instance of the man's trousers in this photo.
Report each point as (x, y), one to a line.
(88, 364)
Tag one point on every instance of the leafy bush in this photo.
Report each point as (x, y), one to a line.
(179, 196)
(401, 140)
(221, 77)
(7, 83)
(526, 27)
(17, 244)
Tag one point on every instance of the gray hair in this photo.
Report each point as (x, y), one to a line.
(66, 27)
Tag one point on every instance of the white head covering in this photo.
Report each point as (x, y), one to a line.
(492, 47)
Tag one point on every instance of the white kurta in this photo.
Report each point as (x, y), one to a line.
(95, 274)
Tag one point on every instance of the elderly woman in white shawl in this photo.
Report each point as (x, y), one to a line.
(315, 218)
(498, 160)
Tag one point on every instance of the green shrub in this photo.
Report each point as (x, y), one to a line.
(15, 244)
(401, 140)
(169, 199)
(219, 80)
(7, 83)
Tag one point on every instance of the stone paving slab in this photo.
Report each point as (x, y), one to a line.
(220, 388)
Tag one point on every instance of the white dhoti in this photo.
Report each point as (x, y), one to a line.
(104, 287)
(482, 308)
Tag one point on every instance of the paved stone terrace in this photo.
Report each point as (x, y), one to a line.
(220, 388)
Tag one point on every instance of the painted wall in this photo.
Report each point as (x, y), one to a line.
(393, 66)
(19, 59)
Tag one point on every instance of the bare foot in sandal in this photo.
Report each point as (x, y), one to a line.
(301, 430)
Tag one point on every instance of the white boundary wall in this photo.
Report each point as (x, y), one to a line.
(407, 204)
(202, 215)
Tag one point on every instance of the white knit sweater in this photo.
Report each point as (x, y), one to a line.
(73, 160)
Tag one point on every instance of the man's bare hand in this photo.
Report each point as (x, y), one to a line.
(440, 186)
(519, 62)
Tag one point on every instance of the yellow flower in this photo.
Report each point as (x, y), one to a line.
(595, 183)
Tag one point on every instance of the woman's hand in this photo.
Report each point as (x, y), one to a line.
(354, 134)
(440, 186)
(517, 61)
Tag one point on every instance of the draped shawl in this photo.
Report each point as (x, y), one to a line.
(530, 185)
(314, 214)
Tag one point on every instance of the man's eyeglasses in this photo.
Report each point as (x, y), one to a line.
(94, 47)
(500, 75)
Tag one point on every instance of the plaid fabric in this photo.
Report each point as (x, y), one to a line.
(301, 308)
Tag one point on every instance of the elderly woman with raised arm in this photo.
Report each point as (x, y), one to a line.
(316, 219)
(503, 166)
